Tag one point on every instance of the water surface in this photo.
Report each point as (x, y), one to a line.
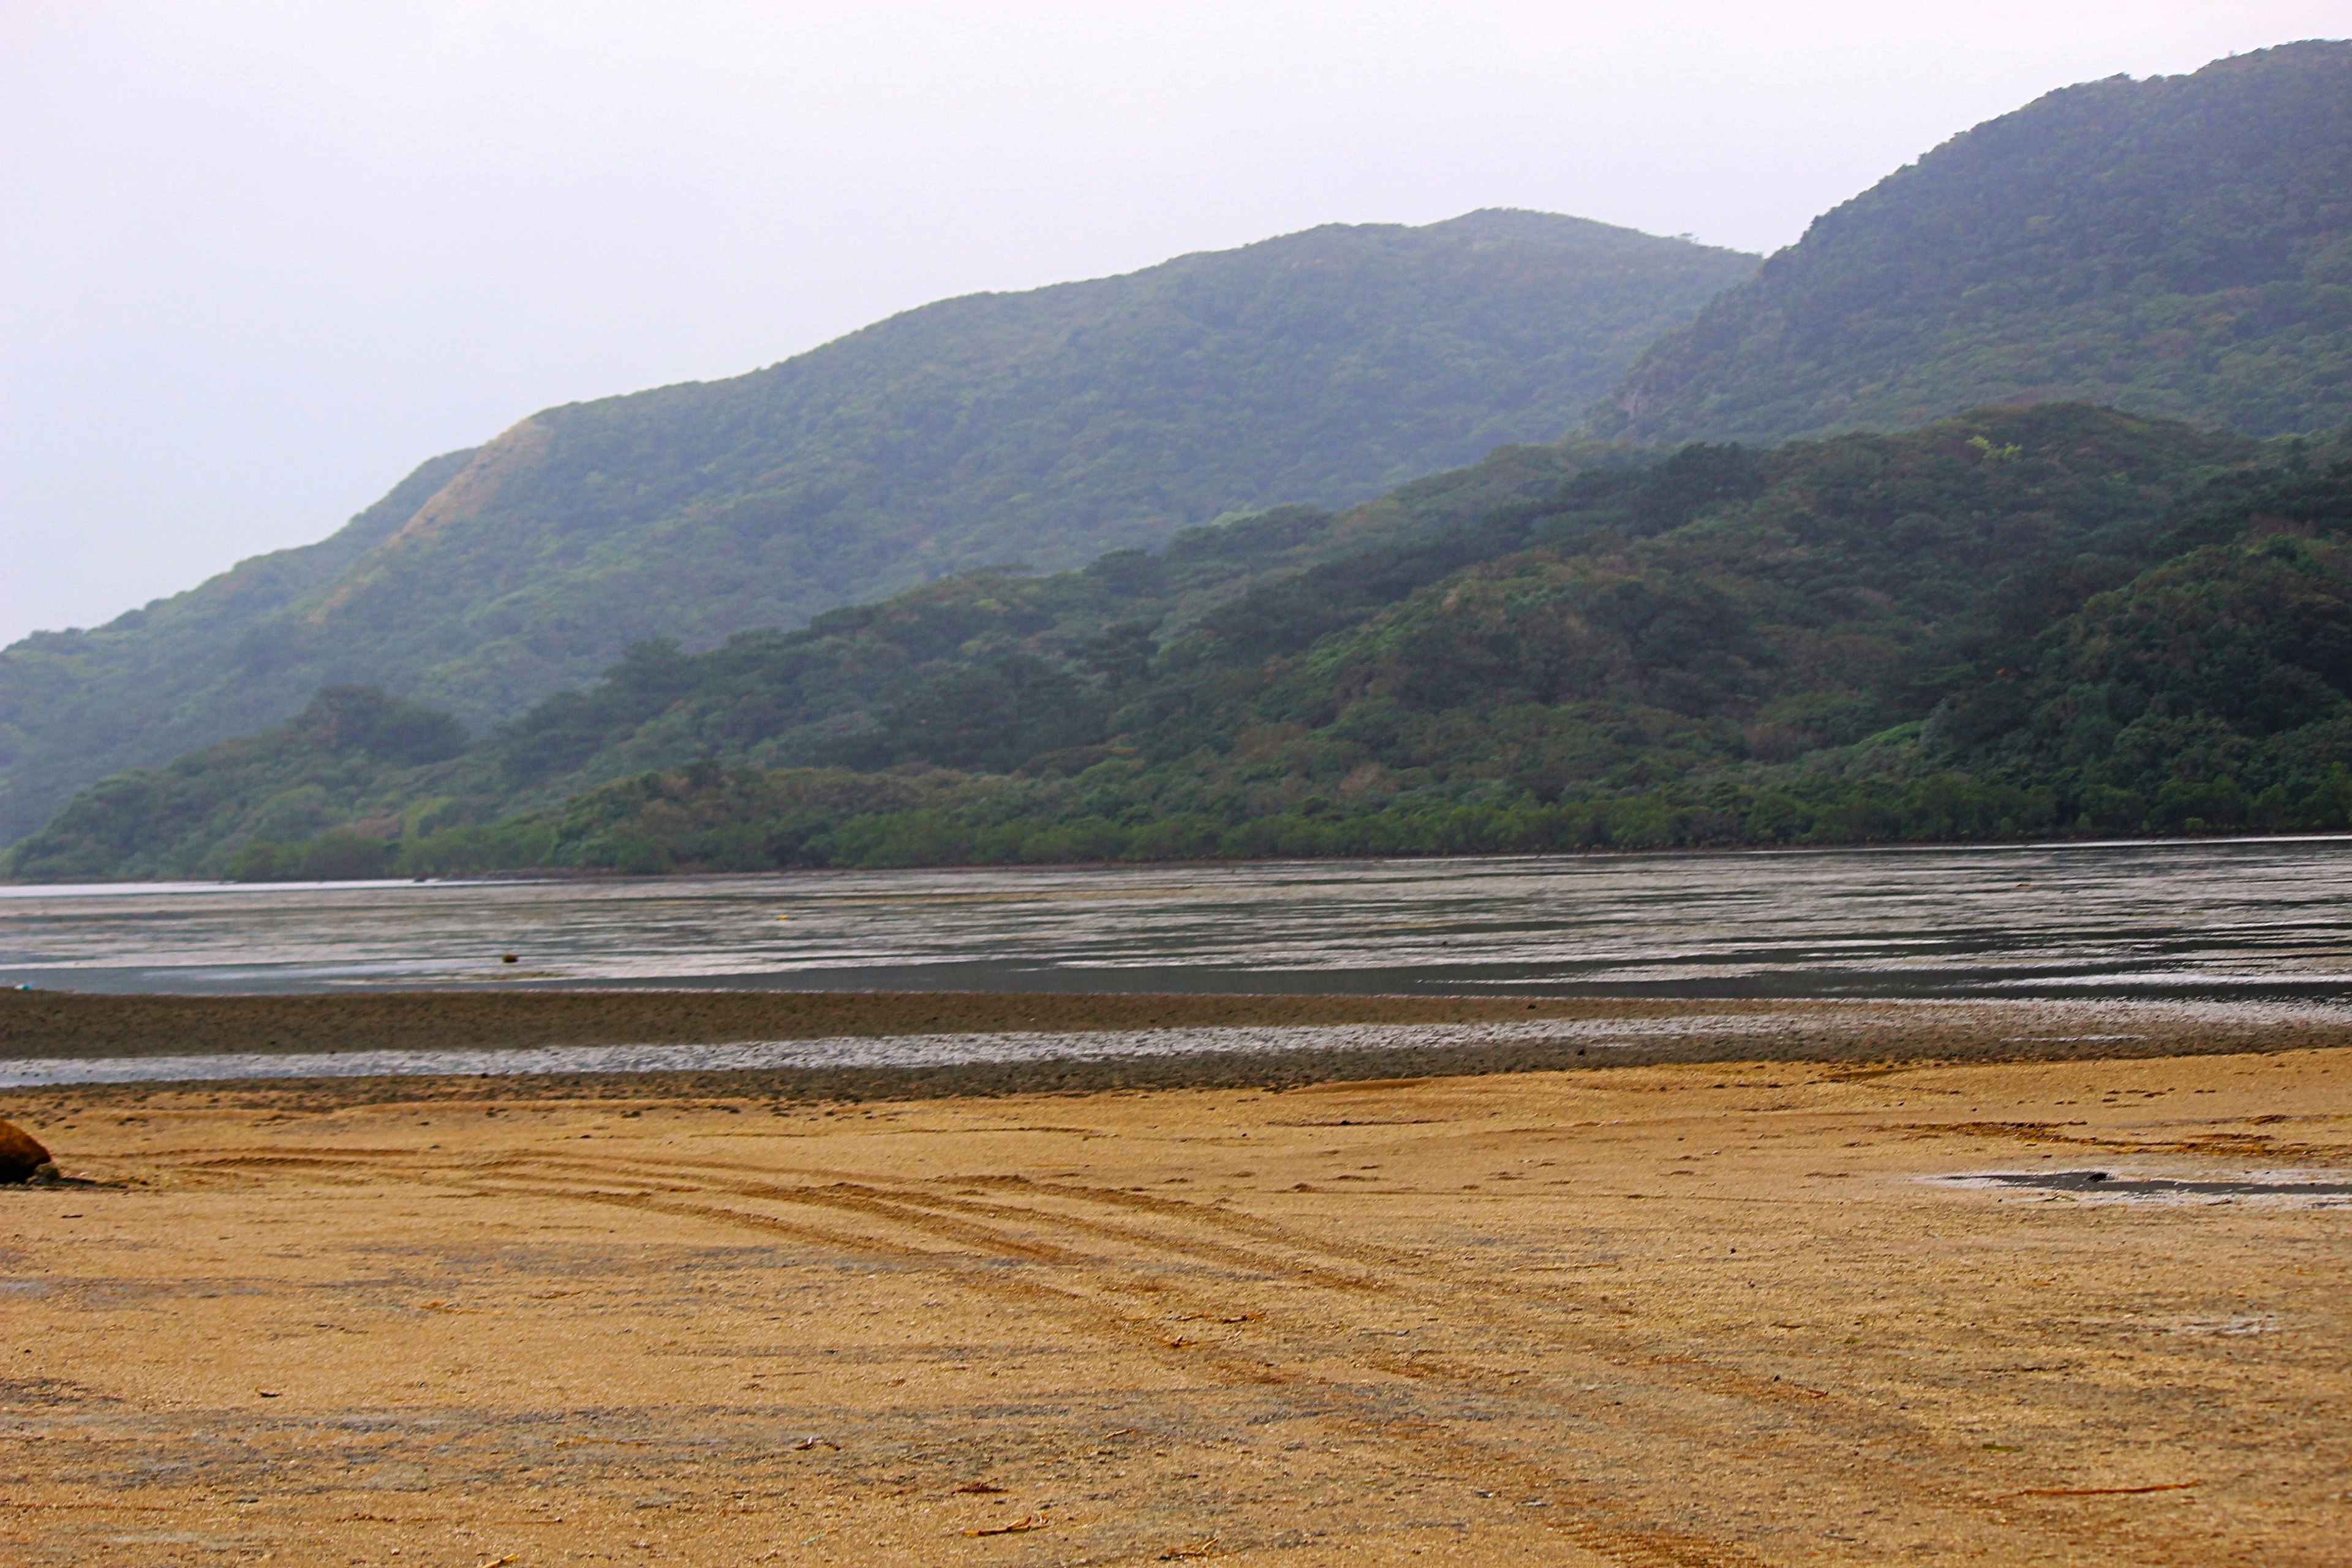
(2243, 919)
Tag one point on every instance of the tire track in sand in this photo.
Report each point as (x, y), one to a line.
(970, 1238)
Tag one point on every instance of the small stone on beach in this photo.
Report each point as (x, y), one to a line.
(21, 1154)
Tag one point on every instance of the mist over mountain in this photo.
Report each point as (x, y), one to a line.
(2180, 246)
(1042, 427)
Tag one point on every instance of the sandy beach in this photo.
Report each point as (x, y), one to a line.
(1719, 1311)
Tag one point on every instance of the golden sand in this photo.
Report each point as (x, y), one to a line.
(1695, 1313)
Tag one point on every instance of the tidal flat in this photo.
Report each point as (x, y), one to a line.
(1766, 1308)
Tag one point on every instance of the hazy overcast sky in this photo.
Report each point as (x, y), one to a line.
(262, 258)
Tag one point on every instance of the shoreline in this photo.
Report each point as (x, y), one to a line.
(68, 1024)
(1589, 852)
(994, 1044)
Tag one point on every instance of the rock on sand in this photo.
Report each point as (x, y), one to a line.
(21, 1154)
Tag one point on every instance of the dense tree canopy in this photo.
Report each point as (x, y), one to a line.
(2181, 245)
(2033, 619)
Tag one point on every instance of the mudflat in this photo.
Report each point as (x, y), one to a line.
(1508, 1033)
(1673, 1313)
(84, 1024)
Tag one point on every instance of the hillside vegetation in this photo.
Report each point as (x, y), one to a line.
(1936, 526)
(324, 769)
(2180, 246)
(1043, 428)
(2029, 620)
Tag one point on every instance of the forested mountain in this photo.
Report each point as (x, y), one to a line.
(351, 758)
(2038, 615)
(1044, 427)
(2031, 619)
(2180, 246)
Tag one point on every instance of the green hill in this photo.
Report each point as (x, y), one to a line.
(1044, 428)
(2180, 246)
(2207, 691)
(348, 764)
(2033, 619)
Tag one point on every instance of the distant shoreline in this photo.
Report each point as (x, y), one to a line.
(1676, 852)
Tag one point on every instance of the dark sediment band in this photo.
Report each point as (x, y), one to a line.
(63, 1023)
(1850, 1035)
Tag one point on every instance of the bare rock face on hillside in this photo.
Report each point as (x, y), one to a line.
(21, 1154)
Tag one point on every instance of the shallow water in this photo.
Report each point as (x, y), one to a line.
(2105, 1184)
(2234, 919)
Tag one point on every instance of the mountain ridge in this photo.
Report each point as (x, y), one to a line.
(1046, 426)
(2177, 246)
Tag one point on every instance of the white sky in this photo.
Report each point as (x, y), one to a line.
(262, 258)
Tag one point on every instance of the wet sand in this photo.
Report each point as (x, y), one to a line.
(1170, 1041)
(1694, 1312)
(78, 1024)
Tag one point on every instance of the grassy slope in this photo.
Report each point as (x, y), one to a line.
(2181, 245)
(1045, 427)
